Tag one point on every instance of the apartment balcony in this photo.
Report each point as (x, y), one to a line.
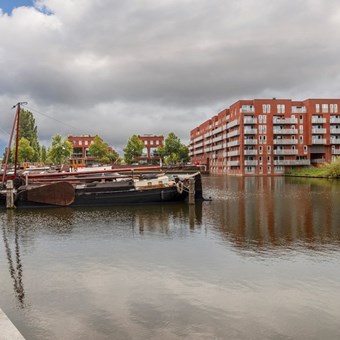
(233, 133)
(334, 120)
(233, 153)
(318, 120)
(233, 163)
(284, 120)
(285, 141)
(318, 131)
(247, 110)
(191, 153)
(286, 152)
(250, 131)
(249, 120)
(217, 130)
(293, 162)
(251, 163)
(319, 141)
(198, 152)
(336, 151)
(209, 149)
(233, 143)
(335, 131)
(335, 141)
(250, 171)
(285, 131)
(233, 123)
(250, 152)
(208, 134)
(197, 139)
(217, 139)
(250, 142)
(217, 147)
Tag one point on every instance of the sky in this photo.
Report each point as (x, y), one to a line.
(117, 68)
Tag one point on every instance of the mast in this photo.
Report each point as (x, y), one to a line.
(16, 123)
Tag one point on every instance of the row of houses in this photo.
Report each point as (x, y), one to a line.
(268, 136)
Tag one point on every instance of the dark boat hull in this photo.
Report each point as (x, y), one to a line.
(100, 195)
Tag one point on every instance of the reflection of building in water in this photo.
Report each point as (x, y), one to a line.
(278, 211)
(164, 218)
(14, 262)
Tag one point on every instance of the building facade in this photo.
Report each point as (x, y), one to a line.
(80, 155)
(151, 144)
(268, 136)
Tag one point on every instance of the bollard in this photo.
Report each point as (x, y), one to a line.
(191, 190)
(10, 195)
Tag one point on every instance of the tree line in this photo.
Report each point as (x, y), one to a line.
(60, 150)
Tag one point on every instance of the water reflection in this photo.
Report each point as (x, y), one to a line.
(275, 211)
(14, 265)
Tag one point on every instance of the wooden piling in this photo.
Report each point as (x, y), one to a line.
(10, 195)
(192, 190)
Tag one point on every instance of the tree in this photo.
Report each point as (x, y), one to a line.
(25, 151)
(99, 150)
(29, 131)
(60, 150)
(43, 154)
(133, 149)
(173, 150)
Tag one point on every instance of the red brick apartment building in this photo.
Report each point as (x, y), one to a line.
(268, 136)
(151, 143)
(80, 156)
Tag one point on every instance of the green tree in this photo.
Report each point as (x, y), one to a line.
(60, 150)
(25, 151)
(173, 150)
(43, 154)
(133, 149)
(99, 149)
(28, 129)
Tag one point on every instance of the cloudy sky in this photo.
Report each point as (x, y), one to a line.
(117, 68)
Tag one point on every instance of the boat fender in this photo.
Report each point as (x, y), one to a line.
(179, 186)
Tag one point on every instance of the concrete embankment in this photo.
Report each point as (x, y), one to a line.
(7, 330)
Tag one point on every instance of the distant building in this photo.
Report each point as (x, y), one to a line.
(268, 136)
(151, 143)
(80, 155)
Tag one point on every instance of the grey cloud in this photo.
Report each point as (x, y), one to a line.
(117, 68)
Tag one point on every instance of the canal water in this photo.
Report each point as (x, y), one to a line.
(260, 261)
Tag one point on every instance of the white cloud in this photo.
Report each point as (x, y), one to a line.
(117, 68)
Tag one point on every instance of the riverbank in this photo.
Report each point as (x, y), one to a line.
(7, 330)
(331, 170)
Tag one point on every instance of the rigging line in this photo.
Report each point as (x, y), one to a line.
(6, 132)
(57, 120)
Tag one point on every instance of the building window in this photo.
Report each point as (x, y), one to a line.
(260, 149)
(80, 142)
(317, 108)
(264, 108)
(324, 108)
(335, 108)
(86, 142)
(268, 148)
(269, 169)
(301, 139)
(281, 108)
(264, 139)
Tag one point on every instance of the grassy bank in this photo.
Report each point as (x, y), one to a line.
(329, 170)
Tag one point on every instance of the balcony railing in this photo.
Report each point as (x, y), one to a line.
(252, 163)
(233, 123)
(233, 133)
(286, 152)
(233, 143)
(250, 152)
(285, 131)
(335, 141)
(285, 141)
(318, 120)
(233, 153)
(249, 120)
(334, 120)
(319, 141)
(335, 130)
(336, 151)
(250, 131)
(233, 163)
(318, 130)
(250, 142)
(284, 120)
(293, 162)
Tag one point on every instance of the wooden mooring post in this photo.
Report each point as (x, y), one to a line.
(9, 195)
(191, 190)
